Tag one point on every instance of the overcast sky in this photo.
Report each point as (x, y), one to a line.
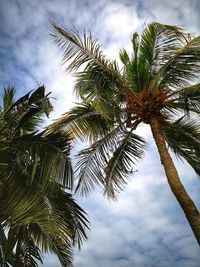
(145, 227)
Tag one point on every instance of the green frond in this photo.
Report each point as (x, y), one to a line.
(26, 251)
(124, 57)
(118, 168)
(183, 137)
(81, 51)
(149, 52)
(25, 110)
(96, 87)
(83, 121)
(8, 98)
(135, 42)
(156, 41)
(42, 159)
(35, 169)
(74, 222)
(189, 98)
(107, 161)
(54, 222)
(181, 67)
(92, 161)
(94, 84)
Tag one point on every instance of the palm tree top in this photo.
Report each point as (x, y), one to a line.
(159, 79)
(37, 213)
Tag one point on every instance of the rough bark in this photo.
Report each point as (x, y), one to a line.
(191, 212)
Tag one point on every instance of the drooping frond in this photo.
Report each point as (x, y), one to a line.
(35, 171)
(8, 98)
(43, 159)
(83, 121)
(64, 228)
(27, 252)
(96, 87)
(24, 110)
(156, 40)
(181, 68)
(183, 137)
(54, 221)
(81, 51)
(92, 161)
(86, 53)
(118, 168)
(189, 98)
(107, 162)
(64, 209)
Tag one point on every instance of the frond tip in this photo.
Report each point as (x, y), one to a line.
(107, 162)
(81, 51)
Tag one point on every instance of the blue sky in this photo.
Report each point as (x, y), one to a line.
(145, 226)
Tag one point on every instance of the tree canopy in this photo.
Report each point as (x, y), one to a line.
(37, 212)
(158, 85)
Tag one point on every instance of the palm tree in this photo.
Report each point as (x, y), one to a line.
(37, 212)
(158, 85)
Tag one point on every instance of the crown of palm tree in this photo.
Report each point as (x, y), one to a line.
(37, 214)
(159, 79)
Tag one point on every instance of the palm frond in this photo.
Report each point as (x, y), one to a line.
(8, 98)
(60, 227)
(86, 51)
(118, 168)
(157, 40)
(189, 97)
(26, 251)
(96, 86)
(92, 161)
(6, 253)
(83, 121)
(35, 171)
(149, 52)
(180, 68)
(183, 137)
(41, 159)
(24, 109)
(65, 210)
(99, 163)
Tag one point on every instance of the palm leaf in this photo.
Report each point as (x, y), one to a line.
(181, 67)
(83, 121)
(35, 170)
(24, 109)
(26, 251)
(8, 98)
(129, 150)
(99, 163)
(92, 161)
(188, 97)
(87, 53)
(183, 137)
(156, 41)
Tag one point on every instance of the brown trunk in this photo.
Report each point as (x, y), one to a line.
(191, 212)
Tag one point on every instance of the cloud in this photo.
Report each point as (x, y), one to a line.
(145, 227)
(181, 12)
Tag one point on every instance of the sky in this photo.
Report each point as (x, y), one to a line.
(145, 226)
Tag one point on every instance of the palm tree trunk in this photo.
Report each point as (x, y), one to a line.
(191, 212)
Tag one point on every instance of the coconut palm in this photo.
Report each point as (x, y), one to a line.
(37, 212)
(158, 85)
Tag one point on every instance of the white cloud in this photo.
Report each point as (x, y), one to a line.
(145, 227)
